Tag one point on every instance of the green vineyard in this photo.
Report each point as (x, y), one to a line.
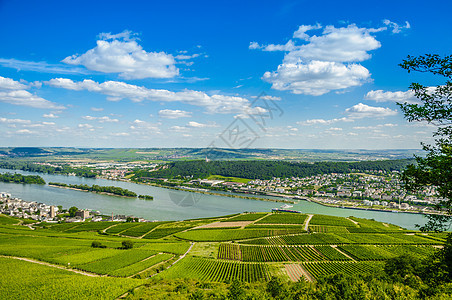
(217, 270)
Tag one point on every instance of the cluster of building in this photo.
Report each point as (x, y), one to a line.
(16, 207)
(372, 189)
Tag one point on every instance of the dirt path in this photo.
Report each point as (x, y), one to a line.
(156, 265)
(308, 219)
(356, 223)
(52, 265)
(296, 271)
(343, 253)
(105, 230)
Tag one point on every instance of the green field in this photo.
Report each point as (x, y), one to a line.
(252, 254)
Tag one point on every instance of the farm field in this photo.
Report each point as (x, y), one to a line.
(271, 244)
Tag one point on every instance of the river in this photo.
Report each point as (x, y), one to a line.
(173, 204)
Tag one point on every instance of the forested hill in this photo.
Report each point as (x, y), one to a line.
(258, 169)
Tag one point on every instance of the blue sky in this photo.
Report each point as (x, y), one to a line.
(279, 74)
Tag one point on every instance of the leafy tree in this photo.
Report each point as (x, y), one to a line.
(435, 107)
(72, 211)
(235, 290)
(127, 245)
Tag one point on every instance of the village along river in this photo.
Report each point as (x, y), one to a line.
(173, 204)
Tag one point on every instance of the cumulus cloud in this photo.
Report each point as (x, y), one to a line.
(13, 92)
(323, 121)
(50, 116)
(101, 119)
(360, 111)
(116, 90)
(174, 114)
(323, 62)
(97, 109)
(316, 77)
(120, 53)
(194, 124)
(399, 96)
(88, 126)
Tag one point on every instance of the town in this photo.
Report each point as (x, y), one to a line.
(16, 207)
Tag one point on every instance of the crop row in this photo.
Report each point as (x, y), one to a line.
(141, 265)
(111, 264)
(344, 238)
(215, 235)
(320, 269)
(217, 270)
(246, 217)
(121, 227)
(91, 226)
(141, 229)
(328, 229)
(331, 220)
(369, 252)
(283, 218)
(162, 232)
(25, 280)
(279, 253)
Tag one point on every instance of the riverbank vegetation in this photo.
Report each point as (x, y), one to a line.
(113, 190)
(19, 178)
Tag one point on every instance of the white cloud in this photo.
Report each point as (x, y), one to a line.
(88, 126)
(360, 111)
(101, 119)
(324, 62)
(13, 92)
(301, 31)
(24, 131)
(178, 128)
(399, 96)
(200, 125)
(120, 53)
(316, 77)
(323, 121)
(145, 128)
(10, 84)
(14, 121)
(116, 90)
(289, 46)
(174, 114)
(50, 116)
(120, 134)
(97, 109)
(396, 28)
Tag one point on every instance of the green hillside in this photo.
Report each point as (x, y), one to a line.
(250, 252)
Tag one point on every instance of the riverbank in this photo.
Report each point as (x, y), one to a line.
(209, 193)
(94, 192)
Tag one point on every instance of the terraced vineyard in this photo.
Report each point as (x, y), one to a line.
(217, 270)
(283, 218)
(269, 244)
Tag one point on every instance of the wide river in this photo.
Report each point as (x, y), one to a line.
(173, 204)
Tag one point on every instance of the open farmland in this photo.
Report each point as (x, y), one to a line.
(270, 244)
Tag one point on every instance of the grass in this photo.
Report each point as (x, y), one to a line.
(6, 220)
(283, 218)
(25, 280)
(331, 221)
(229, 179)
